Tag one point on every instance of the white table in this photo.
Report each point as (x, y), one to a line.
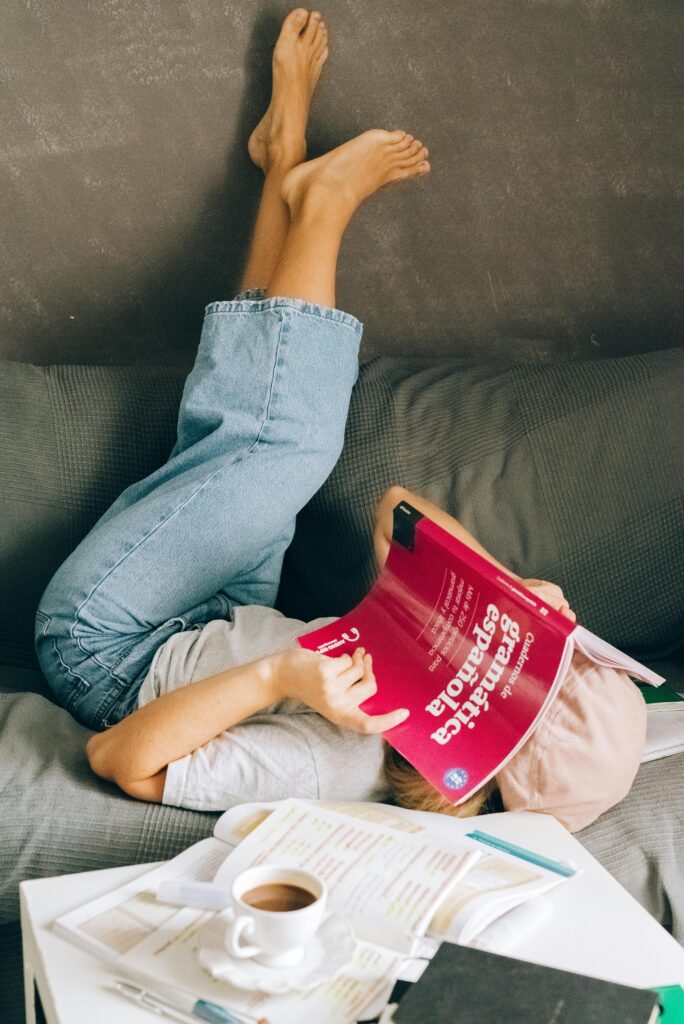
(597, 929)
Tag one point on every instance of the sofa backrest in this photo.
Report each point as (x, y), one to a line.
(569, 473)
(71, 439)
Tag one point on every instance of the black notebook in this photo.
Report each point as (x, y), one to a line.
(469, 986)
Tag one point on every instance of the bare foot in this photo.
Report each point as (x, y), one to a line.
(298, 58)
(347, 175)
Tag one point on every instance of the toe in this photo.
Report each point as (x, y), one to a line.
(312, 25)
(296, 20)
(318, 37)
(413, 157)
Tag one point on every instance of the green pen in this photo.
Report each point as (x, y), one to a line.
(519, 851)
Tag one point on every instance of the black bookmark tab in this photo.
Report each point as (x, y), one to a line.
(406, 518)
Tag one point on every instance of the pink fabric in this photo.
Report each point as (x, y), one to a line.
(584, 755)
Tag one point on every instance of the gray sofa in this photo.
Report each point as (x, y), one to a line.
(512, 450)
(545, 241)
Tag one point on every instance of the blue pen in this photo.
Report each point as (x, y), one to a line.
(519, 851)
(183, 1008)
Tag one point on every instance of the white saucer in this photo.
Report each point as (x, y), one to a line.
(331, 949)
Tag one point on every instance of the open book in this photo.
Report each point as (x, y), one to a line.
(474, 655)
(395, 875)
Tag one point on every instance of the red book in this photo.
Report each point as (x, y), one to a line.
(474, 655)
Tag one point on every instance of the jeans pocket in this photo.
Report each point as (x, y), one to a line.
(62, 672)
(42, 623)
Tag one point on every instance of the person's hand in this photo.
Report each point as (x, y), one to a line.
(552, 594)
(334, 687)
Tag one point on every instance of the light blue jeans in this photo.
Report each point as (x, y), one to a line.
(260, 427)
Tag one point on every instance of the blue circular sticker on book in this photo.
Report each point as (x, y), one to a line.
(455, 778)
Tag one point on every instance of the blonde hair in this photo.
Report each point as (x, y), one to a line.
(410, 789)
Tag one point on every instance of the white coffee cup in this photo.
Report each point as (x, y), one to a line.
(278, 910)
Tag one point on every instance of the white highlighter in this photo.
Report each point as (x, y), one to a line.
(200, 895)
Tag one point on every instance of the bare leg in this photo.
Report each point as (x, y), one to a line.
(322, 196)
(278, 143)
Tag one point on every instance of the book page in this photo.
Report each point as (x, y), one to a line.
(605, 654)
(494, 885)
(664, 731)
(170, 959)
(359, 991)
(491, 887)
(235, 824)
(385, 882)
(117, 922)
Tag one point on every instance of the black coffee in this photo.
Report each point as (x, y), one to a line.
(278, 896)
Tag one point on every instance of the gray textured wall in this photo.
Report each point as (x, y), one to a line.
(549, 227)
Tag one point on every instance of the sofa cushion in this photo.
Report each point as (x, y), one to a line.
(640, 841)
(56, 817)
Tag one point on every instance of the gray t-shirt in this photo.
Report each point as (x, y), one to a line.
(284, 750)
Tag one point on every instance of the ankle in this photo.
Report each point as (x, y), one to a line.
(319, 203)
(283, 155)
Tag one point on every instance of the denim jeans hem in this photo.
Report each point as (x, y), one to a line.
(250, 293)
(244, 305)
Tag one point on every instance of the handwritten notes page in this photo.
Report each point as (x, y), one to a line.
(385, 882)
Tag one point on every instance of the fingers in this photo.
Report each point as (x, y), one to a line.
(342, 661)
(359, 680)
(363, 690)
(373, 724)
(551, 593)
(352, 671)
(367, 680)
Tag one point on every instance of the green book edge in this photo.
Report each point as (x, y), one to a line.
(672, 1002)
(659, 694)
